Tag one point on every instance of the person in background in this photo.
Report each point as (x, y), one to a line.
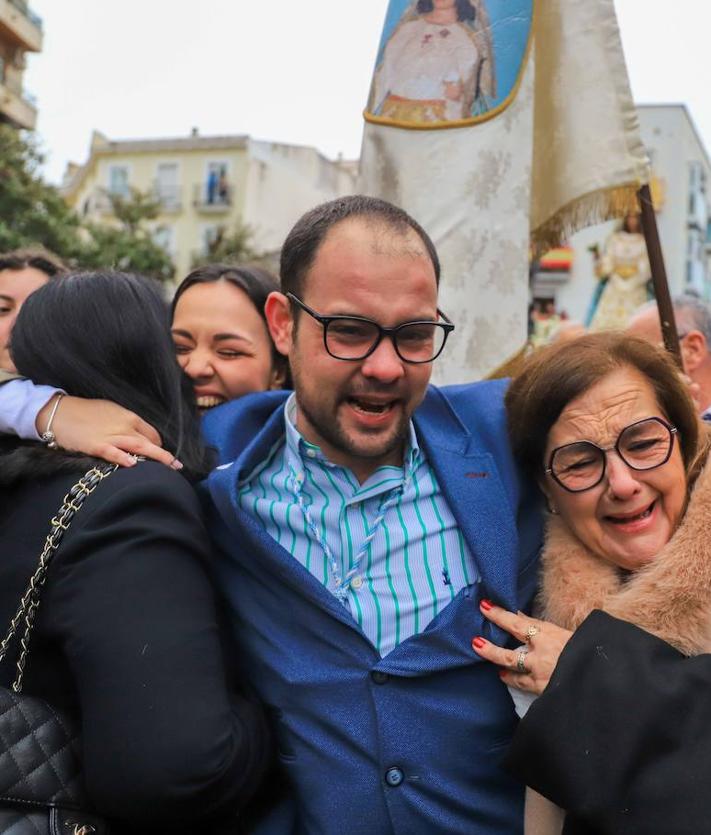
(127, 639)
(693, 321)
(608, 429)
(223, 188)
(546, 322)
(21, 273)
(220, 333)
(211, 186)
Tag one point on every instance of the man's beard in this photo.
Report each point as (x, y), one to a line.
(335, 436)
(325, 421)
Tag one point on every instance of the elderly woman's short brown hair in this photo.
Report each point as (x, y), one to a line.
(554, 376)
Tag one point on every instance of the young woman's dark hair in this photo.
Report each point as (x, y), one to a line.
(465, 10)
(39, 259)
(256, 282)
(106, 335)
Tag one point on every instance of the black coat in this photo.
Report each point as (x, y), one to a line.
(621, 737)
(127, 641)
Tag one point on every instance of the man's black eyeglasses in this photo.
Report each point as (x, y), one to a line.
(353, 338)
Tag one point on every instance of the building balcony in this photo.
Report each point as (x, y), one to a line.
(17, 108)
(20, 25)
(211, 199)
(169, 197)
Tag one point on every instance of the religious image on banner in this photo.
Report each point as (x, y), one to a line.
(447, 63)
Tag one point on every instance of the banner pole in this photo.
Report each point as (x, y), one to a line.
(659, 274)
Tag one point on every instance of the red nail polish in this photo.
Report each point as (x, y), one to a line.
(478, 643)
(502, 673)
(486, 605)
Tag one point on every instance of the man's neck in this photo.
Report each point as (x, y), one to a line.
(361, 466)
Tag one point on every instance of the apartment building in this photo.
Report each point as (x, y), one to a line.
(681, 171)
(20, 33)
(208, 185)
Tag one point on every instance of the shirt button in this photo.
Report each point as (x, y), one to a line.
(311, 453)
(394, 776)
(379, 677)
(356, 582)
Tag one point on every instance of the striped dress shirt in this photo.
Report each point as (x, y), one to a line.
(415, 564)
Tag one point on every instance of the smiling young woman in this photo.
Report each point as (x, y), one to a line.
(220, 333)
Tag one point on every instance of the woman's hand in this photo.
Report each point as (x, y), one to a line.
(544, 643)
(104, 430)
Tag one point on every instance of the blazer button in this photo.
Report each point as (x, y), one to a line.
(379, 677)
(394, 776)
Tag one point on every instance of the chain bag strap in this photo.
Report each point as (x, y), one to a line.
(29, 603)
(41, 786)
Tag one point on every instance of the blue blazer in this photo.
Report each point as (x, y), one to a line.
(409, 743)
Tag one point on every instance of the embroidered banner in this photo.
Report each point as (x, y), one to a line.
(543, 139)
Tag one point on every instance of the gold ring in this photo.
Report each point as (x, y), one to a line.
(531, 632)
(521, 661)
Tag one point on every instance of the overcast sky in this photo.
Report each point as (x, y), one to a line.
(293, 71)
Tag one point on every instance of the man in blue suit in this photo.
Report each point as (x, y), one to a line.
(361, 520)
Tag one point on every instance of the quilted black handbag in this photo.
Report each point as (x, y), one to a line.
(41, 786)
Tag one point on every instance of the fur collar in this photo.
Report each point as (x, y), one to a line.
(670, 597)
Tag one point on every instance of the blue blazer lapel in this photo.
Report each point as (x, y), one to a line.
(235, 426)
(473, 486)
(244, 540)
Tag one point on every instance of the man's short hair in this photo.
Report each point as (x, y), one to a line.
(302, 243)
(34, 258)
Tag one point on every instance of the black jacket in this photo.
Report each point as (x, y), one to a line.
(621, 737)
(127, 641)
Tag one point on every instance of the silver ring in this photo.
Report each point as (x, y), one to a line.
(531, 632)
(521, 661)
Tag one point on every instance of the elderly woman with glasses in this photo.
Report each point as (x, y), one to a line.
(607, 428)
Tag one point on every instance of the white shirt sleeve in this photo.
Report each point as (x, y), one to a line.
(20, 403)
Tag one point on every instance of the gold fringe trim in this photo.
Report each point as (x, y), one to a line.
(594, 207)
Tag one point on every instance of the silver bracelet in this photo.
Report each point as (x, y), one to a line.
(48, 437)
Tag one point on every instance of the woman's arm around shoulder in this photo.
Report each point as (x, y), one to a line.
(164, 741)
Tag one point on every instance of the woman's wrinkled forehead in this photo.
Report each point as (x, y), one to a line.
(601, 412)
